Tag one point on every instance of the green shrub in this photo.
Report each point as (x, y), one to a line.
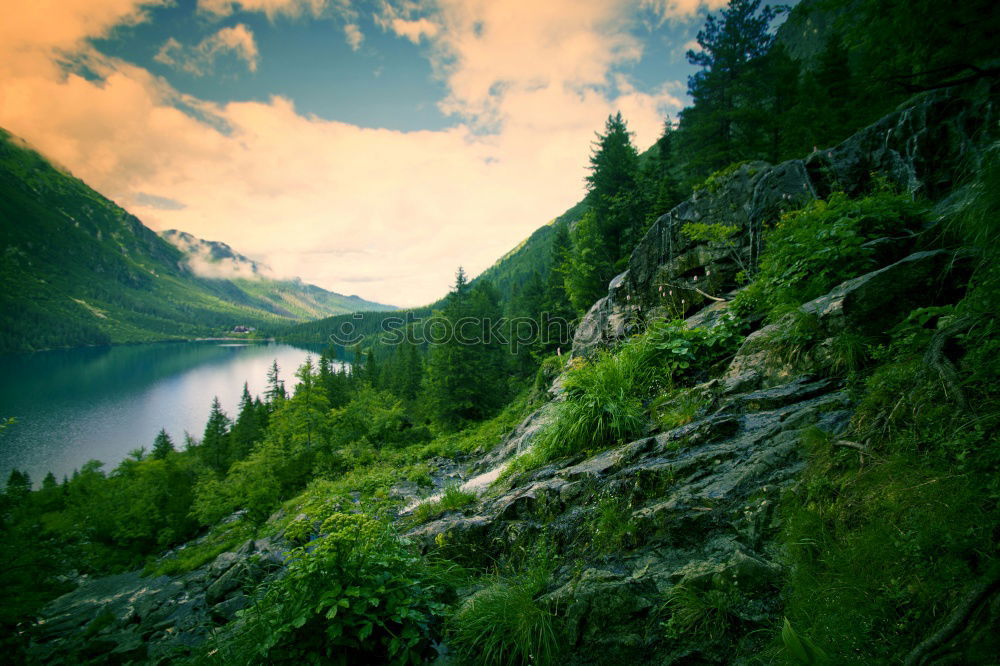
(355, 595)
(604, 397)
(813, 249)
(504, 625)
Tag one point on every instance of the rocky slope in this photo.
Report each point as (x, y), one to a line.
(679, 517)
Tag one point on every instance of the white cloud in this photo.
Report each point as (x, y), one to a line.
(354, 36)
(341, 205)
(272, 8)
(667, 10)
(200, 59)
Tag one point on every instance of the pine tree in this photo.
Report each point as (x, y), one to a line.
(614, 166)
(558, 310)
(214, 446)
(410, 370)
(275, 387)
(163, 446)
(465, 378)
(719, 127)
(246, 430)
(591, 269)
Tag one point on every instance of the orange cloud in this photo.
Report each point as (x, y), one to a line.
(387, 213)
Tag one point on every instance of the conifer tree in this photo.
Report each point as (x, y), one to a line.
(247, 429)
(215, 443)
(275, 387)
(163, 446)
(719, 127)
(614, 166)
(591, 267)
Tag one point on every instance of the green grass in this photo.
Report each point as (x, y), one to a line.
(220, 540)
(503, 625)
(452, 499)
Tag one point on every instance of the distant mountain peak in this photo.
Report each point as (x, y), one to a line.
(215, 259)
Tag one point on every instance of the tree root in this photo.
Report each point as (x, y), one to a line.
(935, 359)
(956, 621)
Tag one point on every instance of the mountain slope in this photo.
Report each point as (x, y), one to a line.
(289, 298)
(76, 269)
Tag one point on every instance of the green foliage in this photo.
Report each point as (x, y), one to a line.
(465, 370)
(813, 249)
(221, 539)
(710, 233)
(610, 527)
(711, 185)
(503, 624)
(677, 408)
(605, 397)
(354, 595)
(801, 649)
(452, 499)
(590, 266)
(601, 407)
(708, 613)
(881, 540)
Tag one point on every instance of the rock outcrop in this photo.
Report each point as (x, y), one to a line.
(131, 618)
(920, 149)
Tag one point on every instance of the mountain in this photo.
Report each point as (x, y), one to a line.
(286, 297)
(77, 269)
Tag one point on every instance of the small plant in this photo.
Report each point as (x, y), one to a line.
(801, 649)
(708, 613)
(849, 352)
(610, 526)
(673, 410)
(452, 499)
(503, 625)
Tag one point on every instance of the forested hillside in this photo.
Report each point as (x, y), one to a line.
(769, 436)
(79, 270)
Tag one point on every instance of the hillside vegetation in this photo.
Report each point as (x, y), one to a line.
(79, 270)
(770, 439)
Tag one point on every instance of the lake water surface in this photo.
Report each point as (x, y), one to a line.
(76, 405)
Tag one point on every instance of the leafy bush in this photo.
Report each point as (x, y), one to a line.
(813, 249)
(354, 595)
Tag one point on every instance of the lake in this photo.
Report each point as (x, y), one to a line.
(76, 405)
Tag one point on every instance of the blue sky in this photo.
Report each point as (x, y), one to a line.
(386, 82)
(367, 146)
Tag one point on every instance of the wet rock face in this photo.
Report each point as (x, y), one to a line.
(919, 149)
(128, 618)
(695, 506)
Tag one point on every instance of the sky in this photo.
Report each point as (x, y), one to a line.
(367, 146)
